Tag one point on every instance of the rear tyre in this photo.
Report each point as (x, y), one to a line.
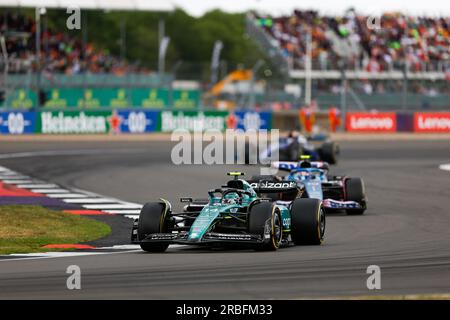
(152, 219)
(294, 152)
(307, 222)
(260, 215)
(355, 191)
(329, 152)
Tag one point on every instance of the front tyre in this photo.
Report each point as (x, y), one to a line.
(307, 222)
(329, 152)
(355, 191)
(152, 219)
(265, 220)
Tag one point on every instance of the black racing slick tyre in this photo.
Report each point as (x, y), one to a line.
(294, 153)
(152, 219)
(355, 191)
(307, 222)
(329, 152)
(265, 220)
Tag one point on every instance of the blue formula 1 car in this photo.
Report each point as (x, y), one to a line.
(291, 147)
(261, 214)
(336, 192)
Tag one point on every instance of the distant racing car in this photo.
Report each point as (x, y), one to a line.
(239, 213)
(291, 147)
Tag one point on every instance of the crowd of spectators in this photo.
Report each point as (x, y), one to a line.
(60, 52)
(361, 42)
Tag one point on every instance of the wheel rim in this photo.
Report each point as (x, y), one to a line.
(277, 231)
(321, 224)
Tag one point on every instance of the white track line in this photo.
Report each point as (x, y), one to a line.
(128, 248)
(45, 191)
(66, 195)
(17, 181)
(49, 153)
(37, 186)
(48, 255)
(9, 173)
(445, 167)
(122, 247)
(89, 200)
(11, 177)
(132, 212)
(112, 206)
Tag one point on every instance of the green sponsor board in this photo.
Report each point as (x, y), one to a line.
(150, 98)
(107, 97)
(186, 99)
(89, 100)
(118, 98)
(85, 99)
(73, 122)
(193, 120)
(21, 99)
(63, 98)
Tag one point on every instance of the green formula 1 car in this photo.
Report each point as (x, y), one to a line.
(265, 215)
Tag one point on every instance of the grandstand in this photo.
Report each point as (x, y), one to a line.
(404, 63)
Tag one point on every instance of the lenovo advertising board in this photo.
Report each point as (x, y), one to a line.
(371, 122)
(437, 122)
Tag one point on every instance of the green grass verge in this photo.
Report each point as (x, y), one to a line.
(25, 229)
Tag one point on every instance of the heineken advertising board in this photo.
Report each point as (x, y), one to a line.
(56, 122)
(137, 121)
(17, 122)
(128, 121)
(252, 120)
(193, 120)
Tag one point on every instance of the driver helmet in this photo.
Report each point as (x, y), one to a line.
(231, 198)
(305, 164)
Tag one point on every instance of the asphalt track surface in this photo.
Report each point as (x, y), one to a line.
(405, 230)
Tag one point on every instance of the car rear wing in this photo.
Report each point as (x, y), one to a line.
(291, 165)
(266, 186)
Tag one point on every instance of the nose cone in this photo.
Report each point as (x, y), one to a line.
(194, 236)
(203, 223)
(314, 189)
